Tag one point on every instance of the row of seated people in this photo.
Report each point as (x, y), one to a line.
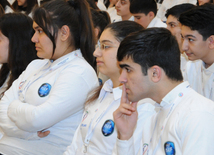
(55, 104)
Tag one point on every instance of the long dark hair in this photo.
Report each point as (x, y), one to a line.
(120, 30)
(76, 15)
(29, 8)
(5, 3)
(17, 27)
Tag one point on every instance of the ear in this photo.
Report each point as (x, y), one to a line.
(155, 73)
(96, 30)
(211, 42)
(64, 32)
(151, 15)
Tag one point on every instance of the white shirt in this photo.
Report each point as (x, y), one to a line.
(200, 78)
(98, 118)
(8, 9)
(184, 124)
(184, 60)
(156, 22)
(48, 95)
(167, 4)
(100, 5)
(113, 14)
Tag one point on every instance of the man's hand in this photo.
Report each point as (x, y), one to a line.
(42, 134)
(125, 117)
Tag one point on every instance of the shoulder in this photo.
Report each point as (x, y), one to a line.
(195, 102)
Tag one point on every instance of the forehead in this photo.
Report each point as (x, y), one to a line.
(35, 25)
(128, 61)
(172, 19)
(186, 31)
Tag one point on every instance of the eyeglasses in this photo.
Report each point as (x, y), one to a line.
(103, 46)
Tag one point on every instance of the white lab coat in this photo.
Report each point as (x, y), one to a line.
(200, 78)
(184, 124)
(48, 95)
(99, 116)
(156, 22)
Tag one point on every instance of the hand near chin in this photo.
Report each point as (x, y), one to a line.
(42, 134)
(125, 117)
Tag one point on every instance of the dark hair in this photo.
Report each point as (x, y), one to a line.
(92, 4)
(76, 15)
(1, 10)
(153, 46)
(17, 27)
(28, 9)
(211, 1)
(5, 3)
(100, 20)
(201, 19)
(120, 30)
(177, 10)
(143, 6)
(107, 3)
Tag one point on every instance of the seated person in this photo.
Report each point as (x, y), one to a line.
(122, 7)
(151, 68)
(144, 12)
(198, 44)
(174, 26)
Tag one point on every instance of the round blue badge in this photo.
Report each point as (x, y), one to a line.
(169, 148)
(44, 89)
(108, 128)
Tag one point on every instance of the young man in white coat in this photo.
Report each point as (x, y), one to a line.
(151, 68)
(198, 44)
(144, 12)
(174, 26)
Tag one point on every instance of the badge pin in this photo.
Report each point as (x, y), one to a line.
(169, 148)
(44, 90)
(108, 128)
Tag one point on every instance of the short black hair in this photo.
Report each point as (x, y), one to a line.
(201, 19)
(153, 46)
(177, 10)
(143, 6)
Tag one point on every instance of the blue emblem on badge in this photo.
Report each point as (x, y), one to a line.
(44, 89)
(169, 148)
(108, 128)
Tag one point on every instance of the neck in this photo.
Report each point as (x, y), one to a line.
(115, 81)
(163, 89)
(208, 59)
(111, 5)
(126, 17)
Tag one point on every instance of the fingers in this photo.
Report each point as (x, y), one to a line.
(42, 134)
(124, 98)
(124, 109)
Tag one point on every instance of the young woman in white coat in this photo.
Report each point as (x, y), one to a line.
(96, 133)
(43, 107)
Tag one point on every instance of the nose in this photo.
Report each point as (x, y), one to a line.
(185, 45)
(117, 4)
(97, 52)
(122, 77)
(34, 39)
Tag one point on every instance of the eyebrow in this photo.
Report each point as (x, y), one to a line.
(124, 65)
(36, 27)
(171, 23)
(104, 41)
(189, 35)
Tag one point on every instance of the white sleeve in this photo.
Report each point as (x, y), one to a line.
(67, 97)
(196, 131)
(142, 133)
(8, 126)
